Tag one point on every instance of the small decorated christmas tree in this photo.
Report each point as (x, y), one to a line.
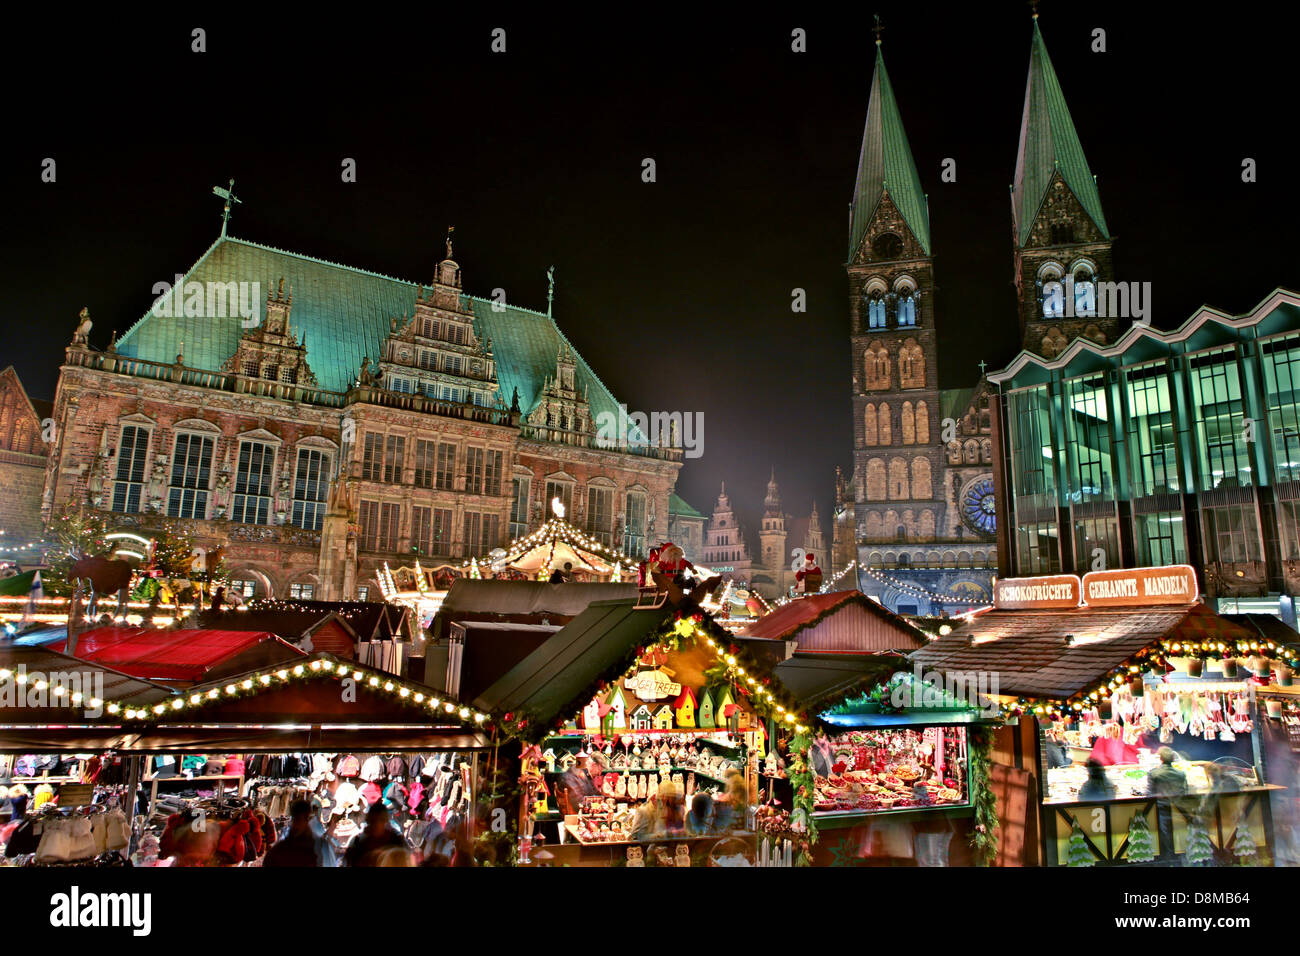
(1199, 850)
(1141, 846)
(1077, 853)
(1244, 848)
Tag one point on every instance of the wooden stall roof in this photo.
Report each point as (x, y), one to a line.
(522, 601)
(1029, 653)
(838, 622)
(183, 655)
(549, 681)
(817, 680)
(93, 678)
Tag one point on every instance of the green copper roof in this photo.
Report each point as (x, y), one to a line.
(885, 163)
(678, 506)
(342, 314)
(1048, 142)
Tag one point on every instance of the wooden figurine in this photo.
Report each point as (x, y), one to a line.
(685, 706)
(663, 718)
(641, 718)
(704, 716)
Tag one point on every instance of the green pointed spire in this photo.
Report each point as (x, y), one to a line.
(1049, 143)
(885, 164)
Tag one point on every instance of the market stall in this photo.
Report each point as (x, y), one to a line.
(642, 729)
(239, 750)
(1138, 711)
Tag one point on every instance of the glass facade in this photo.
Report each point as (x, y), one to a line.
(1185, 448)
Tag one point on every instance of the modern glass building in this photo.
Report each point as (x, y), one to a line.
(1177, 447)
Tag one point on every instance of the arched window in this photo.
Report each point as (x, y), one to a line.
(906, 309)
(954, 453)
(922, 423)
(885, 428)
(972, 452)
(1053, 299)
(898, 479)
(927, 533)
(1085, 293)
(870, 435)
(876, 310)
(921, 487)
(908, 422)
(986, 451)
(911, 365)
(1054, 343)
(876, 484)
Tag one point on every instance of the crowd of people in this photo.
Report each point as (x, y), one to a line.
(380, 844)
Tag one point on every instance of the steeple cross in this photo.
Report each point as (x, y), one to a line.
(983, 366)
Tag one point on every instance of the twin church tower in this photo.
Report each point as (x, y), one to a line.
(922, 501)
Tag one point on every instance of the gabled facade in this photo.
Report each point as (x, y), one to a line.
(341, 419)
(22, 465)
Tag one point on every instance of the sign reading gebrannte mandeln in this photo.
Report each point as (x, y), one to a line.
(1023, 594)
(1135, 587)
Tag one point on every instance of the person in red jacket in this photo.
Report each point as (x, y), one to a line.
(810, 570)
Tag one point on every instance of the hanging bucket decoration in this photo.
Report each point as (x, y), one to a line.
(1230, 668)
(1195, 666)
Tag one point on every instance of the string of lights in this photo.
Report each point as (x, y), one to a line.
(1153, 658)
(915, 590)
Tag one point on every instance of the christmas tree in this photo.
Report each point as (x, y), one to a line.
(70, 537)
(1077, 853)
(1199, 851)
(1243, 846)
(1141, 847)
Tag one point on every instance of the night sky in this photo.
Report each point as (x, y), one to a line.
(677, 292)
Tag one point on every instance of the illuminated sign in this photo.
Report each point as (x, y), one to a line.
(1127, 587)
(1136, 587)
(1020, 594)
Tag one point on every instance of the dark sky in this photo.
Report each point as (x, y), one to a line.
(677, 292)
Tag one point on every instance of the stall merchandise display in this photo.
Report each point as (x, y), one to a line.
(867, 771)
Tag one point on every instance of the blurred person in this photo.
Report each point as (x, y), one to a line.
(1054, 749)
(1096, 787)
(1280, 767)
(301, 845)
(1166, 780)
(931, 832)
(672, 801)
(729, 807)
(378, 835)
(700, 819)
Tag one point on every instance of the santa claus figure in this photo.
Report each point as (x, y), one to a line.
(808, 578)
(668, 565)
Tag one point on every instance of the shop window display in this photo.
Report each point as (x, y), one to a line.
(872, 771)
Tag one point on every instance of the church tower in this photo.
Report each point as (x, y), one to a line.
(898, 455)
(772, 536)
(1062, 243)
(842, 523)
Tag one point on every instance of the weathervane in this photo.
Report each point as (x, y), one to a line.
(550, 288)
(1033, 6)
(878, 29)
(229, 196)
(450, 230)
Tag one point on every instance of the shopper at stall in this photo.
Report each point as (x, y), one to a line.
(1096, 787)
(1054, 749)
(729, 809)
(1166, 780)
(378, 835)
(300, 845)
(700, 819)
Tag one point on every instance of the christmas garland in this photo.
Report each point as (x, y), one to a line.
(984, 829)
(799, 773)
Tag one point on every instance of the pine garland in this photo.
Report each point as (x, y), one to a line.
(984, 831)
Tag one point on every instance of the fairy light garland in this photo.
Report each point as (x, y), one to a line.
(556, 530)
(319, 667)
(918, 591)
(1144, 661)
